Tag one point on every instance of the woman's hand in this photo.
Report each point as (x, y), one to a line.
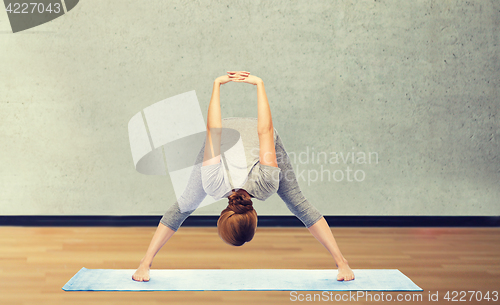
(244, 77)
(231, 76)
(237, 74)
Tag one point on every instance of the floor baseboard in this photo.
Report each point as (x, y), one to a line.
(264, 221)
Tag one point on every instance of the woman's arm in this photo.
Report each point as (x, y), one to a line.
(265, 121)
(267, 154)
(214, 127)
(214, 124)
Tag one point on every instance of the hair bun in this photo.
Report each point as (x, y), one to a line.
(239, 203)
(240, 208)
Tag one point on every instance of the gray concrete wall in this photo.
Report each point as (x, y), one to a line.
(415, 83)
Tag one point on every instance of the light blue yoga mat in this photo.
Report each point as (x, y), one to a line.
(240, 279)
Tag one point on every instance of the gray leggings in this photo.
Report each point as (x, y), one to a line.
(289, 192)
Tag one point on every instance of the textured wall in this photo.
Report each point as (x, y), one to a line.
(414, 83)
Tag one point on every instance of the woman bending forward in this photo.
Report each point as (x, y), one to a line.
(258, 170)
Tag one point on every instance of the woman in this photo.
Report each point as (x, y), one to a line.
(270, 172)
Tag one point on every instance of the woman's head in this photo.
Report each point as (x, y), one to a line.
(237, 223)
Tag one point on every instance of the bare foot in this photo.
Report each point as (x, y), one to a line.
(142, 273)
(344, 272)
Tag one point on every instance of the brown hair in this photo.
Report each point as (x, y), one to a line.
(237, 222)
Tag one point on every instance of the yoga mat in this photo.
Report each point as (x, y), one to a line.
(240, 279)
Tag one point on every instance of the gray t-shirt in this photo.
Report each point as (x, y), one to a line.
(239, 166)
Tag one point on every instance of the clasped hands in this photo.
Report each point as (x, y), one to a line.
(238, 77)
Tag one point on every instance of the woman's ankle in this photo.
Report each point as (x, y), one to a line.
(342, 263)
(145, 262)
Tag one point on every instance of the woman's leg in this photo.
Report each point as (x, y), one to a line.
(161, 236)
(289, 191)
(173, 218)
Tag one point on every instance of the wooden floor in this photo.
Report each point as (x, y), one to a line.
(35, 262)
